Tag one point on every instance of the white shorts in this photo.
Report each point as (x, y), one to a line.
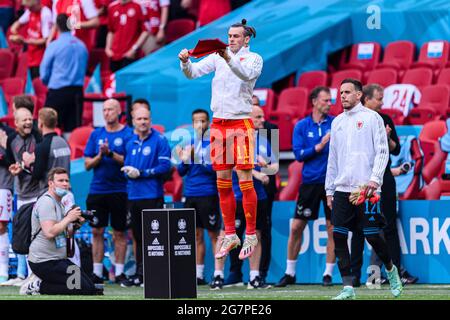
(6, 203)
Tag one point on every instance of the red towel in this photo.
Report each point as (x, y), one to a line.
(205, 47)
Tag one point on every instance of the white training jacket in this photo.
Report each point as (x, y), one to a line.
(359, 150)
(233, 83)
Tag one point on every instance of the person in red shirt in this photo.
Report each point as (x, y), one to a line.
(127, 33)
(157, 16)
(83, 16)
(38, 21)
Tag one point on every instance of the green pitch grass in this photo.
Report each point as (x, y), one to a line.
(297, 292)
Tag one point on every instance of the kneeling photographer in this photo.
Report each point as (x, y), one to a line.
(53, 272)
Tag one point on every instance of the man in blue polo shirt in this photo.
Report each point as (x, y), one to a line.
(200, 187)
(104, 153)
(62, 70)
(310, 145)
(147, 159)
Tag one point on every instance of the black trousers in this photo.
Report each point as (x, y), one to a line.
(58, 277)
(136, 207)
(266, 240)
(390, 231)
(119, 64)
(68, 102)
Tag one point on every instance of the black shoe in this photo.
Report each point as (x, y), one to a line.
(356, 283)
(201, 282)
(407, 278)
(286, 280)
(327, 281)
(258, 283)
(132, 281)
(121, 279)
(217, 283)
(96, 279)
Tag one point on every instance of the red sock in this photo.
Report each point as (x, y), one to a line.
(227, 204)
(249, 202)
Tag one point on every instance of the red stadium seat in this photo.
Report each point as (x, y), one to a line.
(429, 136)
(40, 90)
(396, 116)
(178, 28)
(78, 140)
(444, 77)
(159, 127)
(339, 76)
(420, 77)
(6, 63)
(174, 186)
(290, 192)
(398, 55)
(292, 106)
(431, 59)
(383, 77)
(361, 58)
(13, 87)
(432, 191)
(436, 166)
(22, 66)
(267, 98)
(433, 105)
(413, 190)
(312, 79)
(88, 112)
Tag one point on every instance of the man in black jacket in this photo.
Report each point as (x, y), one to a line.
(373, 99)
(271, 190)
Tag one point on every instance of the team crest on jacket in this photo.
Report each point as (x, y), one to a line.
(118, 142)
(146, 151)
(359, 124)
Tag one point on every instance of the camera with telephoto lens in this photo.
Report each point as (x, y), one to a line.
(87, 215)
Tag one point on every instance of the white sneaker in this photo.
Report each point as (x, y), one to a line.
(250, 243)
(13, 282)
(31, 286)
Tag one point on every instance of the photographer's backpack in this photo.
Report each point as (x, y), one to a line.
(21, 229)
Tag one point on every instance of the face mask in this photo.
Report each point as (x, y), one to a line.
(61, 192)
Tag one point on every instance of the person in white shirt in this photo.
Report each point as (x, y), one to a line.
(358, 156)
(232, 131)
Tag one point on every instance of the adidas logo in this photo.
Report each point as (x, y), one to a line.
(182, 241)
(371, 219)
(155, 242)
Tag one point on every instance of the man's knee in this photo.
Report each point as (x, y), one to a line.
(119, 236)
(297, 227)
(199, 236)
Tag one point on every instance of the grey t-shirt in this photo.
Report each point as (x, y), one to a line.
(43, 249)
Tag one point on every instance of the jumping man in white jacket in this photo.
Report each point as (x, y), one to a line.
(232, 132)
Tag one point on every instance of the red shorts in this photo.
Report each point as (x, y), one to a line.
(232, 144)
